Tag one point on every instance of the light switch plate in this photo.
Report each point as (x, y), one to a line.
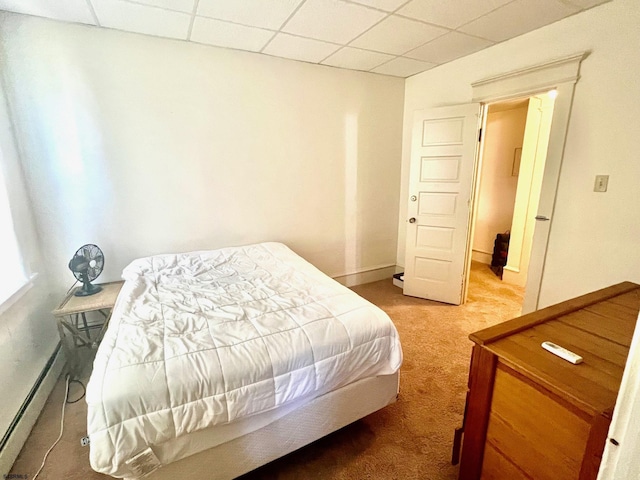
(602, 182)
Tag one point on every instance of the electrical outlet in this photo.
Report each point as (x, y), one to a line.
(602, 182)
(84, 441)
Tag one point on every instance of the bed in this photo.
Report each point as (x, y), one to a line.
(217, 362)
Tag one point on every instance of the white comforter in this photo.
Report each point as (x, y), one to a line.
(206, 338)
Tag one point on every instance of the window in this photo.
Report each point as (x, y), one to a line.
(12, 274)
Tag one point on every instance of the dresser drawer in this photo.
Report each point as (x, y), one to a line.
(533, 430)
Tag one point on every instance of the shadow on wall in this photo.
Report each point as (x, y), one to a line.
(352, 241)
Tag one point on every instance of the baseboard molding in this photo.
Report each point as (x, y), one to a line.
(513, 276)
(20, 428)
(482, 257)
(366, 276)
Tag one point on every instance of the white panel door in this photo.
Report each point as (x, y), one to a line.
(443, 154)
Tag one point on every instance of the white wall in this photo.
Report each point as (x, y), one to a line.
(594, 236)
(28, 334)
(145, 145)
(497, 193)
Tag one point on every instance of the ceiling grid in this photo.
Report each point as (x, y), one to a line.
(391, 37)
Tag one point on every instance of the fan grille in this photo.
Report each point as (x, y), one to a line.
(95, 260)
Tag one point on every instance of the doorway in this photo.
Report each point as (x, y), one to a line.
(509, 179)
(441, 187)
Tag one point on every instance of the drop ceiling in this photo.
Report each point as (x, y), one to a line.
(390, 37)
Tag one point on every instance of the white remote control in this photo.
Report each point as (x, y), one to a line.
(562, 352)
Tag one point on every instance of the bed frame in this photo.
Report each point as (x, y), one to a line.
(312, 421)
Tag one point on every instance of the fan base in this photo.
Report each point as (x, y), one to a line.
(87, 289)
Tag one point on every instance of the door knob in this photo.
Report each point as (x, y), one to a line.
(412, 220)
(413, 198)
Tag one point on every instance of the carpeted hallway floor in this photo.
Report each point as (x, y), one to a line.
(410, 439)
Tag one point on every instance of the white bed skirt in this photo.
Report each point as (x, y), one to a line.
(308, 423)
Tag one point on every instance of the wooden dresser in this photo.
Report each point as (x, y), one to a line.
(532, 415)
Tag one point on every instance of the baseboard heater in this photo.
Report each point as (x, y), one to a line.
(13, 427)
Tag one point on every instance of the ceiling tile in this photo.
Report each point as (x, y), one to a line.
(141, 19)
(449, 13)
(386, 5)
(332, 20)
(397, 35)
(448, 47)
(403, 67)
(177, 5)
(69, 11)
(299, 48)
(356, 59)
(230, 35)
(518, 17)
(258, 13)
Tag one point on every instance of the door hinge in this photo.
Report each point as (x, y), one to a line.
(480, 135)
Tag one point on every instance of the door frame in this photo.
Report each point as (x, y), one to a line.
(561, 75)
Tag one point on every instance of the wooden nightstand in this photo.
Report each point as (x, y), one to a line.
(76, 330)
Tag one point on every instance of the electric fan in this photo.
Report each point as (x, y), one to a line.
(87, 264)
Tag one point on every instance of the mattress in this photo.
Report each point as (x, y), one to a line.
(238, 335)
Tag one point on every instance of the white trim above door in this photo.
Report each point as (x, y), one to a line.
(529, 81)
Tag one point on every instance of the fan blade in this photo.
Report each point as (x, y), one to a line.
(92, 274)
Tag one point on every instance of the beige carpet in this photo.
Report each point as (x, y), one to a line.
(410, 439)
